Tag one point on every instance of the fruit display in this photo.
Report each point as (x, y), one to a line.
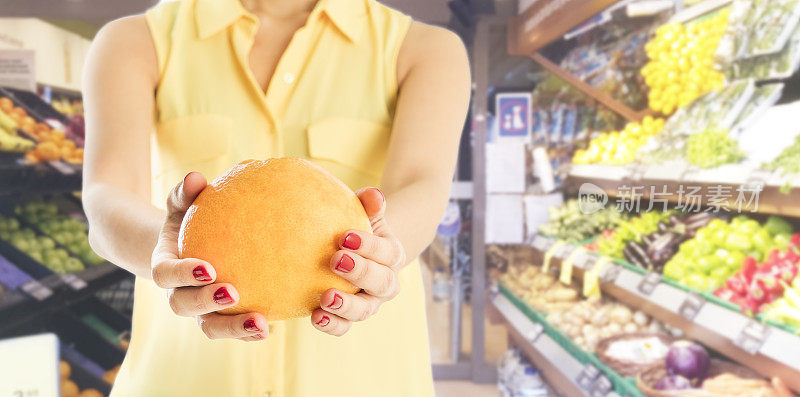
(312, 206)
(68, 107)
(681, 66)
(70, 388)
(111, 375)
(786, 309)
(757, 285)
(715, 111)
(619, 147)
(712, 148)
(655, 249)
(40, 248)
(52, 144)
(70, 233)
(718, 250)
(633, 229)
(10, 141)
(570, 224)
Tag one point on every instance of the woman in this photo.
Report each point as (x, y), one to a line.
(190, 88)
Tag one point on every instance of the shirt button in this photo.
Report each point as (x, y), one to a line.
(288, 78)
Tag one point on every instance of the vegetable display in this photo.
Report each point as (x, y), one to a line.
(634, 229)
(568, 223)
(712, 148)
(687, 359)
(655, 249)
(717, 251)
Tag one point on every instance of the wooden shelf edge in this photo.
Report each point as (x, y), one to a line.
(605, 99)
(770, 200)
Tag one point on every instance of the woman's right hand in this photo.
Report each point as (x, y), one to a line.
(190, 281)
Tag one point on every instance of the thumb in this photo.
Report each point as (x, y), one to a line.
(373, 201)
(182, 196)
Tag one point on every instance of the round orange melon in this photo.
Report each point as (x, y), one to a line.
(270, 229)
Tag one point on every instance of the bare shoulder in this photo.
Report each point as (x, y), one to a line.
(426, 44)
(125, 41)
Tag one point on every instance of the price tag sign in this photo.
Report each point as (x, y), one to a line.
(610, 273)
(535, 332)
(36, 290)
(585, 260)
(29, 366)
(601, 387)
(548, 256)
(691, 305)
(587, 376)
(649, 283)
(73, 281)
(62, 167)
(564, 251)
(541, 243)
(752, 336)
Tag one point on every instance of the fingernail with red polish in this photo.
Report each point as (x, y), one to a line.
(351, 241)
(250, 326)
(201, 274)
(323, 321)
(223, 297)
(337, 302)
(345, 264)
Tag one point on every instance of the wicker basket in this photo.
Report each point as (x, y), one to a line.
(627, 368)
(647, 379)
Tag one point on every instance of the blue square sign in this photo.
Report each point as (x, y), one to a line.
(514, 114)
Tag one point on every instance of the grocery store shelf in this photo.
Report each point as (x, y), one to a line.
(670, 177)
(17, 308)
(560, 369)
(605, 99)
(698, 10)
(42, 178)
(768, 350)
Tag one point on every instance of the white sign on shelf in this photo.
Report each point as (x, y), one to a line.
(73, 281)
(505, 167)
(504, 220)
(18, 69)
(29, 366)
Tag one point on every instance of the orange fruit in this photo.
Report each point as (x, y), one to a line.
(270, 228)
(48, 151)
(69, 389)
(6, 104)
(91, 393)
(64, 369)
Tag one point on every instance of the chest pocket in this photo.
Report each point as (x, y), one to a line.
(359, 145)
(193, 143)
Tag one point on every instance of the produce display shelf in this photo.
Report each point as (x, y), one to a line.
(566, 374)
(44, 178)
(670, 178)
(769, 350)
(17, 308)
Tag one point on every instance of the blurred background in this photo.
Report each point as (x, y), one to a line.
(626, 180)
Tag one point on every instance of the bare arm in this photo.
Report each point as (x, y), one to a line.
(434, 77)
(433, 73)
(120, 78)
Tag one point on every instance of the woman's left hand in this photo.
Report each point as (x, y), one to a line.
(371, 261)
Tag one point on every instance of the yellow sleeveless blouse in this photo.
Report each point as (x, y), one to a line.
(331, 100)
